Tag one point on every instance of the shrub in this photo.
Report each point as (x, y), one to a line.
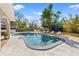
(5, 33)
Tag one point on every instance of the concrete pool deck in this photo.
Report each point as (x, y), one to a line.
(17, 47)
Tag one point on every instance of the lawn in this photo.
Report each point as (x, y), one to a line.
(71, 34)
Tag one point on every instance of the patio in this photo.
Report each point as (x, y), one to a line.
(17, 47)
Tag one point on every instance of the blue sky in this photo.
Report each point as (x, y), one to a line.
(32, 11)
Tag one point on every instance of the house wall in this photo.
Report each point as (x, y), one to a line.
(6, 11)
(7, 8)
(0, 32)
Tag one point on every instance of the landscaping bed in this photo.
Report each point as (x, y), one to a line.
(3, 42)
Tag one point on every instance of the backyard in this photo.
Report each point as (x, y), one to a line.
(50, 21)
(49, 32)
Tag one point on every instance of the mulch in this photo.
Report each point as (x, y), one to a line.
(3, 42)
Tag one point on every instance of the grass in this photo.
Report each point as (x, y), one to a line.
(77, 35)
(71, 34)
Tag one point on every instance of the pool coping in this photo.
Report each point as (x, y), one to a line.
(41, 48)
(59, 36)
(36, 32)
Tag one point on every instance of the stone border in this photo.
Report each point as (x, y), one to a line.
(41, 48)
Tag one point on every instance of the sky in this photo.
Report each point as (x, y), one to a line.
(32, 11)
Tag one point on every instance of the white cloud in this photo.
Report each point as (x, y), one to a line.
(34, 12)
(29, 17)
(37, 13)
(75, 7)
(18, 7)
(32, 19)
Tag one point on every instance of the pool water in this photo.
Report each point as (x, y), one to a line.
(36, 39)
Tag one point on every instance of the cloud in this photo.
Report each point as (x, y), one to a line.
(37, 13)
(29, 17)
(18, 7)
(75, 7)
(34, 12)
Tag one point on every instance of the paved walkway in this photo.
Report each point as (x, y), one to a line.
(17, 47)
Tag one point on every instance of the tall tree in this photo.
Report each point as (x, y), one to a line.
(22, 23)
(18, 16)
(49, 18)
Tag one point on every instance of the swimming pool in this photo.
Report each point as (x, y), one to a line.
(40, 41)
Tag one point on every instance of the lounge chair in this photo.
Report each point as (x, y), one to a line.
(44, 31)
(58, 33)
(38, 31)
(52, 32)
(35, 30)
(47, 31)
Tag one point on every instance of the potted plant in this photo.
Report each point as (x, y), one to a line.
(6, 35)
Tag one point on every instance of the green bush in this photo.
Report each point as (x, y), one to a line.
(5, 33)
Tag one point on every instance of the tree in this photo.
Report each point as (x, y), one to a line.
(57, 15)
(71, 24)
(33, 26)
(75, 24)
(66, 25)
(19, 16)
(22, 23)
(49, 18)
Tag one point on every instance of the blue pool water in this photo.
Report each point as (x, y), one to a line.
(36, 39)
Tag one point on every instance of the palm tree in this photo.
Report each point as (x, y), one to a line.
(47, 16)
(57, 15)
(22, 25)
